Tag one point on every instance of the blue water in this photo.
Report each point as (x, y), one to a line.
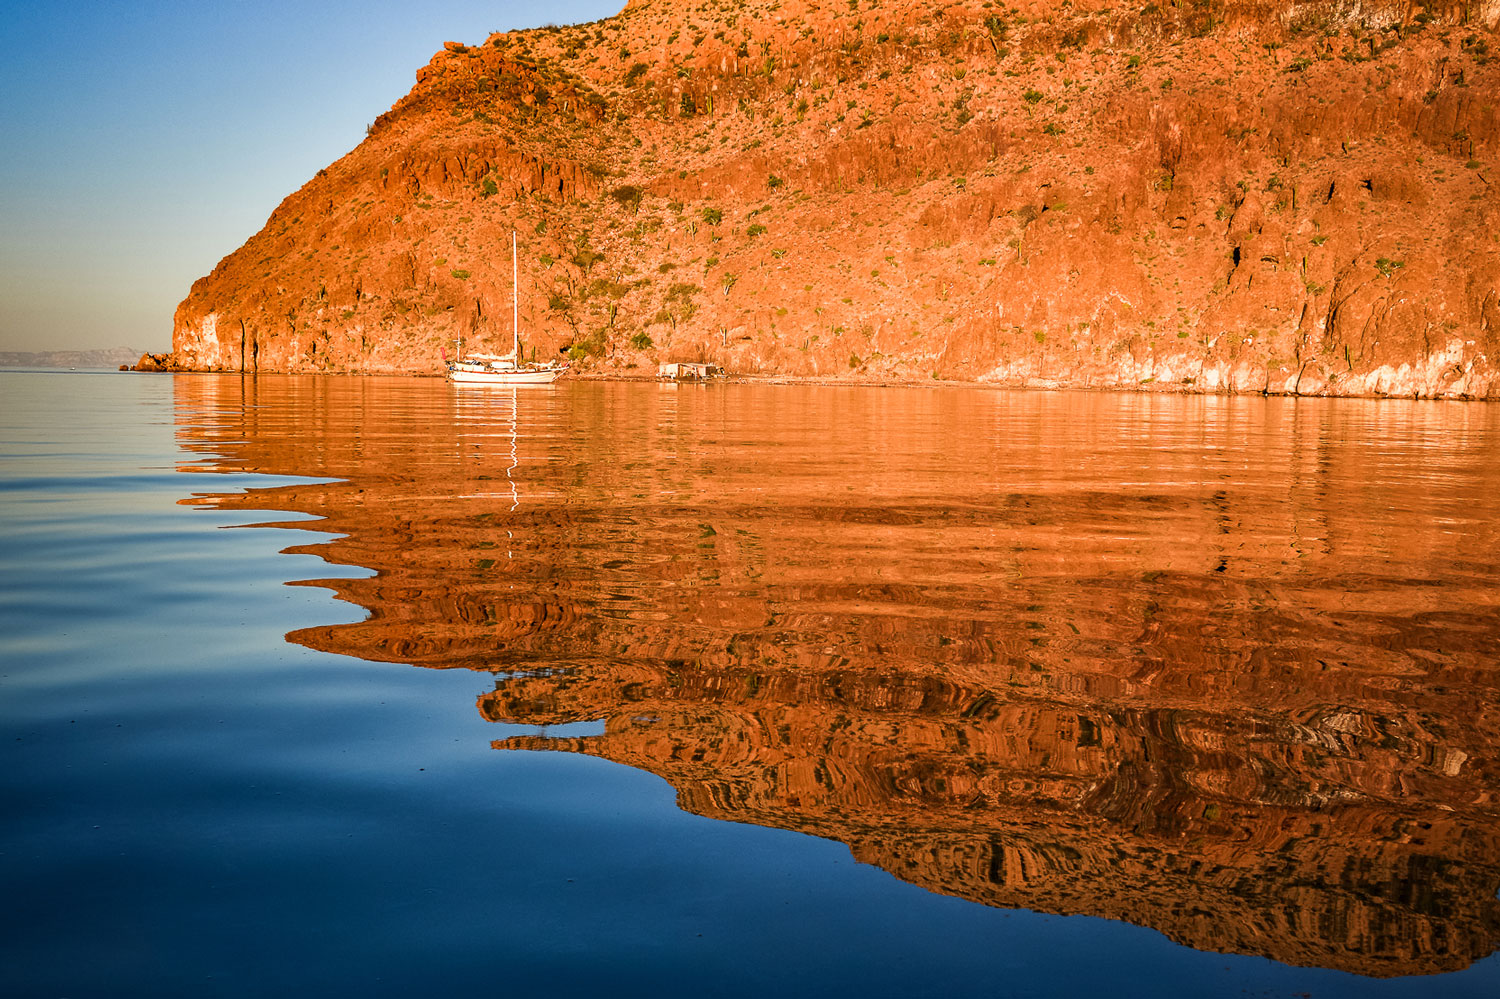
(191, 805)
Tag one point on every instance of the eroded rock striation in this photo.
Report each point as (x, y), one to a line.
(1277, 196)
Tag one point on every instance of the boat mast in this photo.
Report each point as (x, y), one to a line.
(515, 309)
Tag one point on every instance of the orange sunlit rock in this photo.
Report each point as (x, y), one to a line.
(1293, 198)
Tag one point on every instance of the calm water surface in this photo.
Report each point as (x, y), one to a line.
(743, 689)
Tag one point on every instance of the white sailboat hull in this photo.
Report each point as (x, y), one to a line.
(465, 375)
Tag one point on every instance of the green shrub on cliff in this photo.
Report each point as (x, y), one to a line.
(629, 196)
(590, 346)
(586, 259)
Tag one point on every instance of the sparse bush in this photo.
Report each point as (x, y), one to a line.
(591, 345)
(678, 305)
(628, 196)
(642, 341)
(462, 275)
(604, 286)
(586, 259)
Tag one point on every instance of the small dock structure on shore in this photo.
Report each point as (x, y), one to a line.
(688, 371)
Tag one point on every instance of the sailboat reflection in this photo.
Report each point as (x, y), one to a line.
(1256, 728)
(476, 411)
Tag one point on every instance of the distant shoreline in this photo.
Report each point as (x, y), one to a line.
(59, 367)
(103, 357)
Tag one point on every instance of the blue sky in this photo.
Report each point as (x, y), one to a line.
(143, 141)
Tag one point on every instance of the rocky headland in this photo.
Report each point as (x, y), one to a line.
(1202, 196)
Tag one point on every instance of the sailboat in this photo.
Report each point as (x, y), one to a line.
(504, 369)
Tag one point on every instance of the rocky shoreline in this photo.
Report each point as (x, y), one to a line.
(1397, 383)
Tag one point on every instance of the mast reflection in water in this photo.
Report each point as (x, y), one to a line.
(1225, 668)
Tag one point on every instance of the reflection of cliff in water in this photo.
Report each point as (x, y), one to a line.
(1245, 697)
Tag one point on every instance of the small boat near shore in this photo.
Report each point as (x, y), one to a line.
(504, 369)
(501, 369)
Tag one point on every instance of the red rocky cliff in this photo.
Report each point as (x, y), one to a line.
(1203, 196)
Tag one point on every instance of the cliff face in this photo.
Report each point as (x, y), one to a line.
(1205, 196)
(1257, 715)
